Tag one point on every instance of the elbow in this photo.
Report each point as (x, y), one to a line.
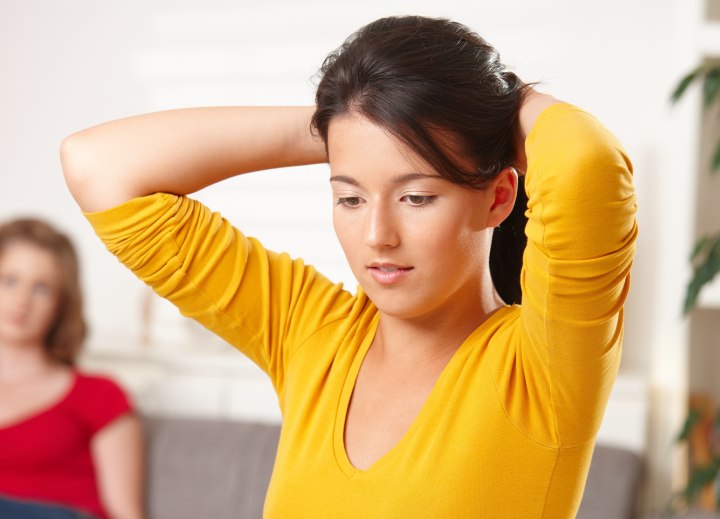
(73, 160)
(81, 164)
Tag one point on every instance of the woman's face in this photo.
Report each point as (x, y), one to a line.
(29, 293)
(417, 243)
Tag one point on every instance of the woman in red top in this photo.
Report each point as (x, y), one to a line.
(71, 447)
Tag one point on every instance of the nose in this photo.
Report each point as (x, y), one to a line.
(381, 229)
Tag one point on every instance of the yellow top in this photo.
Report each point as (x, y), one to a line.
(509, 427)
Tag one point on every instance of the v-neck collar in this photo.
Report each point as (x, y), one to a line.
(418, 422)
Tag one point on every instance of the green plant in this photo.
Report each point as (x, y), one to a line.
(705, 257)
(701, 431)
(702, 424)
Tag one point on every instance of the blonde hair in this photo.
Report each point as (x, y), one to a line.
(65, 337)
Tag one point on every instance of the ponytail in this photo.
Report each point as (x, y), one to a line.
(508, 246)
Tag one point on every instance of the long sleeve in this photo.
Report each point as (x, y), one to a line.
(581, 232)
(263, 303)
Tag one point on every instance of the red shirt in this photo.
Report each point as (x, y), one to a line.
(47, 457)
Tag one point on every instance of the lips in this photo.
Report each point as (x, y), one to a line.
(388, 273)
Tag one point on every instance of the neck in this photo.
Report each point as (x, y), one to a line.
(22, 361)
(427, 338)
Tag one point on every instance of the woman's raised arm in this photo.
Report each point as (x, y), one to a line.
(533, 104)
(181, 151)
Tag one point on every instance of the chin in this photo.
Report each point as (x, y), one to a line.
(400, 307)
(15, 337)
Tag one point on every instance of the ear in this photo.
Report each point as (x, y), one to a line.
(504, 190)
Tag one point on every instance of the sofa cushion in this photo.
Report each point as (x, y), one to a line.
(612, 484)
(219, 469)
(208, 469)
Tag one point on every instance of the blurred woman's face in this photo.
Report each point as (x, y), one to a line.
(29, 293)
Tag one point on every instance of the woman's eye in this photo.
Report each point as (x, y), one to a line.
(8, 281)
(42, 289)
(418, 200)
(349, 201)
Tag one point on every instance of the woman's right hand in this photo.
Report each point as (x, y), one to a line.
(182, 151)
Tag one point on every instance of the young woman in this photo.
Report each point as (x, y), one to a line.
(431, 392)
(71, 446)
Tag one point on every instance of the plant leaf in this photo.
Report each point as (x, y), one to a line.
(715, 165)
(692, 419)
(700, 245)
(691, 293)
(684, 83)
(711, 85)
(705, 270)
(699, 478)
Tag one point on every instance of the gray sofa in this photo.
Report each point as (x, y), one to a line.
(220, 470)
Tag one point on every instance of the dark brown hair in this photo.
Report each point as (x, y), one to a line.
(66, 335)
(440, 89)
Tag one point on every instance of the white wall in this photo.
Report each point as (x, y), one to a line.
(68, 64)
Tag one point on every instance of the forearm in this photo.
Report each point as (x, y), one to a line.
(119, 457)
(181, 151)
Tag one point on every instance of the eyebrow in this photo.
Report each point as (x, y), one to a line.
(399, 179)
